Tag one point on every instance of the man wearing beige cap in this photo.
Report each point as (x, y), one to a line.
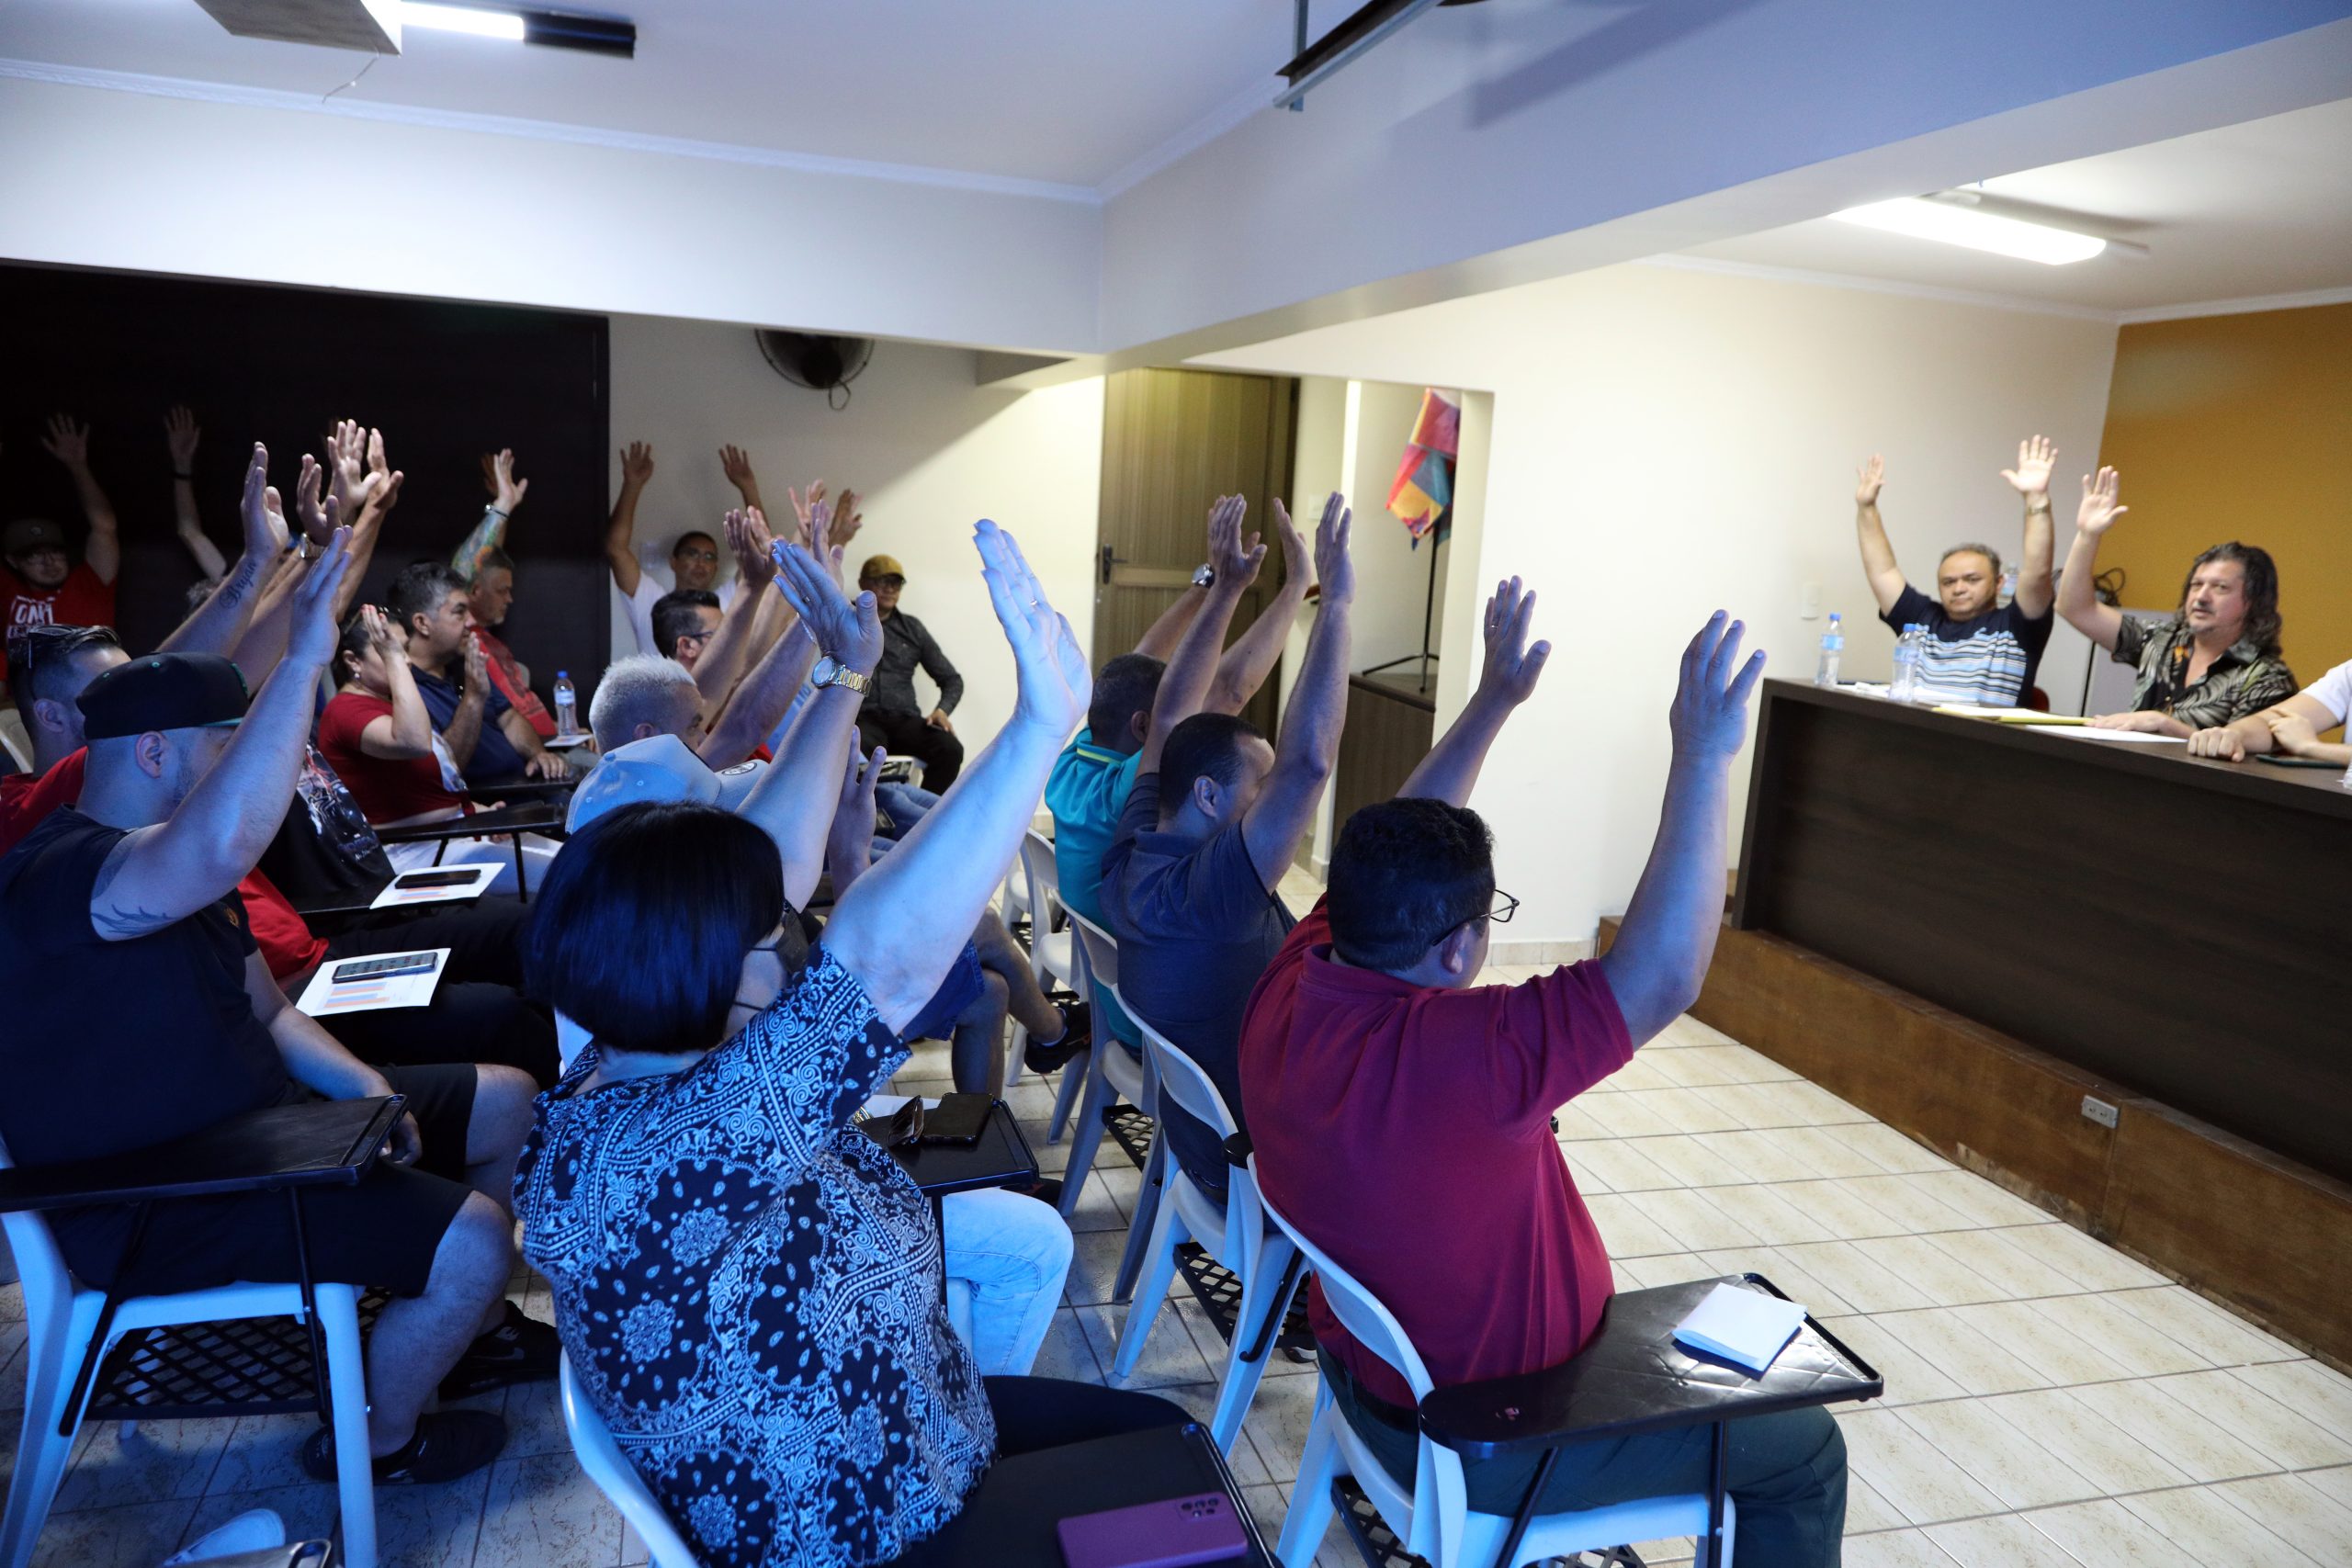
(891, 717)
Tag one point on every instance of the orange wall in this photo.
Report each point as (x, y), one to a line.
(2239, 427)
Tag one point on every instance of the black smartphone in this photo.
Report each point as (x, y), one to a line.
(382, 968)
(958, 1120)
(459, 878)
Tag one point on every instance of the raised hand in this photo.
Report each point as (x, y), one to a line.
(2031, 476)
(847, 518)
(1869, 479)
(1512, 667)
(1234, 558)
(1050, 666)
(747, 536)
(355, 475)
(1710, 713)
(859, 780)
(804, 510)
(637, 465)
(181, 435)
(506, 490)
(265, 537)
(477, 668)
(317, 517)
(737, 466)
(382, 636)
(310, 638)
(1334, 568)
(1294, 556)
(67, 442)
(846, 630)
(2098, 510)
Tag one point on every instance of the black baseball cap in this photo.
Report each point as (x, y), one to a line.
(26, 535)
(163, 690)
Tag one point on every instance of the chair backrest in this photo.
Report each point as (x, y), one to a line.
(617, 1479)
(1184, 1081)
(40, 1263)
(1042, 880)
(1100, 948)
(1373, 1325)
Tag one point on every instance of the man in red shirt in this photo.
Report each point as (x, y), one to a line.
(40, 585)
(1392, 1099)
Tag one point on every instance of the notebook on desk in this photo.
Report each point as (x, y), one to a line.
(2009, 716)
(1745, 1327)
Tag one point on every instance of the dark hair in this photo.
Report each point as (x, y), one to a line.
(419, 590)
(348, 648)
(2262, 622)
(1205, 746)
(639, 932)
(673, 617)
(1992, 558)
(680, 542)
(1403, 873)
(490, 556)
(1124, 688)
(39, 657)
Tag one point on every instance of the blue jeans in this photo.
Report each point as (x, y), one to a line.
(1014, 1251)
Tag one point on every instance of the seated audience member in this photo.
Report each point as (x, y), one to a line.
(1370, 1034)
(482, 564)
(745, 1282)
(488, 741)
(380, 737)
(1211, 824)
(2214, 662)
(693, 555)
(1088, 785)
(894, 718)
(181, 437)
(121, 931)
(1979, 650)
(2291, 728)
(41, 584)
(684, 621)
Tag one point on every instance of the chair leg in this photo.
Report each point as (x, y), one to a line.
(347, 1401)
(1262, 1294)
(1311, 1508)
(41, 1454)
(1168, 1234)
(1088, 1136)
(1148, 1198)
(1075, 1074)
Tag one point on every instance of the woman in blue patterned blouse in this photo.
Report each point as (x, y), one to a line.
(747, 1287)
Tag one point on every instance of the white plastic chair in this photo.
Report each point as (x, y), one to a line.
(1051, 956)
(1236, 1235)
(61, 1313)
(1431, 1513)
(617, 1479)
(1111, 1074)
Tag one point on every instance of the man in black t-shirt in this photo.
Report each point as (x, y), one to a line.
(1979, 649)
(141, 1011)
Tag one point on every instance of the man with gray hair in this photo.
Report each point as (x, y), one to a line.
(1978, 649)
(641, 697)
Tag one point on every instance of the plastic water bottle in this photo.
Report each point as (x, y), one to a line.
(2008, 583)
(1905, 685)
(1833, 644)
(567, 704)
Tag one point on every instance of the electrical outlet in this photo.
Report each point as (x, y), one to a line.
(1809, 605)
(2098, 1110)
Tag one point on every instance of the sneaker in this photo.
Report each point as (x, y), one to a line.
(256, 1529)
(1078, 1032)
(520, 1349)
(447, 1444)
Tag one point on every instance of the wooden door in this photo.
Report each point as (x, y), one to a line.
(1172, 442)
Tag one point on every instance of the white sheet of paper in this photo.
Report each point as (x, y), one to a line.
(395, 897)
(323, 999)
(888, 1104)
(1745, 1327)
(2134, 737)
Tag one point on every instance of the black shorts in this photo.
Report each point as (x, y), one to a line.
(383, 1232)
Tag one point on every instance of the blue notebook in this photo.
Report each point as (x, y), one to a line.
(1745, 1327)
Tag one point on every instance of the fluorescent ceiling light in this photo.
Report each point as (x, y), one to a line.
(463, 19)
(1924, 219)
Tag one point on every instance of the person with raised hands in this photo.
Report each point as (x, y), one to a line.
(692, 558)
(121, 930)
(1370, 1034)
(779, 1365)
(1212, 820)
(181, 437)
(41, 584)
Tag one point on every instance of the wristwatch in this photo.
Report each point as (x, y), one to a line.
(831, 672)
(1204, 576)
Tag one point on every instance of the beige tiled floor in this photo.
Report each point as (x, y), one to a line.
(2049, 1401)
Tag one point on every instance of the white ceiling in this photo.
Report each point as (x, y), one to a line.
(2252, 210)
(1062, 91)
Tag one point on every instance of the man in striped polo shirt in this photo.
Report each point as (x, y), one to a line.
(1978, 649)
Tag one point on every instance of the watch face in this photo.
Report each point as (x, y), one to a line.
(1203, 576)
(824, 672)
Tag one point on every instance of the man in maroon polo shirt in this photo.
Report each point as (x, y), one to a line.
(1401, 1113)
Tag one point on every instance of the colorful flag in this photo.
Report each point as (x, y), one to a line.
(1424, 486)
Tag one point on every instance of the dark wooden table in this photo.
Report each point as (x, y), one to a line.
(999, 1157)
(2180, 927)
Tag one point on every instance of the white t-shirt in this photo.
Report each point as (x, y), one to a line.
(653, 580)
(2332, 692)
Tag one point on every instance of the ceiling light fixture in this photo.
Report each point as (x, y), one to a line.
(1926, 217)
(556, 29)
(507, 25)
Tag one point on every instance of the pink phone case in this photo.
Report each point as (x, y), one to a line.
(1173, 1534)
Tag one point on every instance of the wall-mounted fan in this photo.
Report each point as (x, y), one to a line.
(819, 361)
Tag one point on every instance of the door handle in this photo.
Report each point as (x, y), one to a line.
(1110, 559)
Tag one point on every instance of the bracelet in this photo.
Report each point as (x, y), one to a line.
(495, 511)
(178, 475)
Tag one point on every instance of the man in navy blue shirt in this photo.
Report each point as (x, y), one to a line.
(1979, 649)
(491, 743)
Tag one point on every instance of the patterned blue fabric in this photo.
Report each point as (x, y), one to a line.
(749, 1289)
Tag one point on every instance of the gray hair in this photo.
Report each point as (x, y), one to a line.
(1987, 551)
(644, 688)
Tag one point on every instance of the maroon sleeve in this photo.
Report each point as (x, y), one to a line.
(21, 810)
(1546, 1041)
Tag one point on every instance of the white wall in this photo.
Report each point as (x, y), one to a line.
(1665, 441)
(928, 450)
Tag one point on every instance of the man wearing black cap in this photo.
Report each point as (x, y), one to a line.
(893, 719)
(40, 585)
(144, 1013)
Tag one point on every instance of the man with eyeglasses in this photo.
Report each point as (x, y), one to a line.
(694, 557)
(893, 718)
(684, 621)
(1401, 1111)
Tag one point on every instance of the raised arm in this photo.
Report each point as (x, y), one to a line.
(1191, 669)
(849, 842)
(901, 927)
(724, 655)
(216, 836)
(1160, 640)
(795, 798)
(620, 534)
(2031, 479)
(368, 488)
(505, 494)
(221, 622)
(316, 512)
(463, 732)
(1869, 530)
(70, 444)
(1252, 657)
(1451, 770)
(1309, 746)
(181, 435)
(1660, 960)
(737, 465)
(2077, 600)
(407, 731)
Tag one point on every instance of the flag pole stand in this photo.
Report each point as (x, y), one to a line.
(1425, 660)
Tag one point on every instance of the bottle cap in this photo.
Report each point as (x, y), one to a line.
(563, 674)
